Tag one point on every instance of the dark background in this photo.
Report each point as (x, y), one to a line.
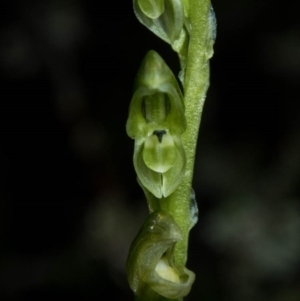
(70, 205)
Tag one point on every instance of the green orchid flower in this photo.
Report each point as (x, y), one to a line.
(156, 121)
(150, 267)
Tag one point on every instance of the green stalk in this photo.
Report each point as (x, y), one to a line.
(195, 87)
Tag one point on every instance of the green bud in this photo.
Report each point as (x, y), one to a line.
(165, 18)
(156, 121)
(150, 266)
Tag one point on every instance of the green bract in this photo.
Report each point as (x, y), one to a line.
(156, 121)
(165, 18)
(150, 265)
(211, 33)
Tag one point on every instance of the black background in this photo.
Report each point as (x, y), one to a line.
(70, 204)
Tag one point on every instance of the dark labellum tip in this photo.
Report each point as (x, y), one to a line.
(159, 134)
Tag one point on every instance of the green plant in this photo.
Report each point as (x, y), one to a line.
(164, 122)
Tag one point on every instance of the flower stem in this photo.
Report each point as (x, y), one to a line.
(195, 87)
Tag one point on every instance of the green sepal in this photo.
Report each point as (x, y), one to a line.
(150, 266)
(151, 8)
(153, 202)
(173, 177)
(168, 25)
(150, 179)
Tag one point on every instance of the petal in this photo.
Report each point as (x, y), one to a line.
(150, 179)
(152, 8)
(165, 271)
(175, 120)
(168, 25)
(173, 289)
(173, 177)
(136, 125)
(172, 20)
(156, 108)
(159, 151)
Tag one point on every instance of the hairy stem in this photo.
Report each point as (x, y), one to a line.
(195, 87)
